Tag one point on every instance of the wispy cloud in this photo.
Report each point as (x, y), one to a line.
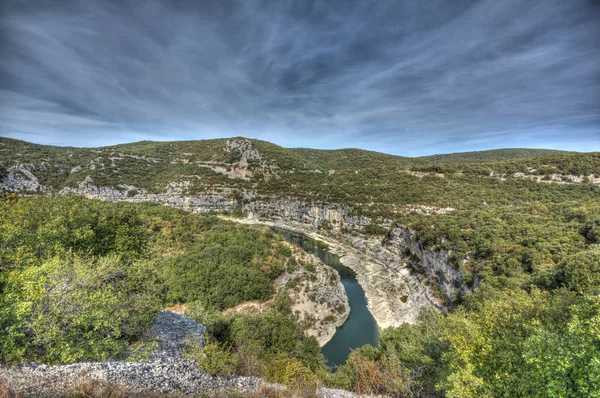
(406, 77)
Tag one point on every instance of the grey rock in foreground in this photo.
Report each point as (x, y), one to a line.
(167, 371)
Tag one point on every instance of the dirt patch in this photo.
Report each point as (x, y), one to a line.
(178, 309)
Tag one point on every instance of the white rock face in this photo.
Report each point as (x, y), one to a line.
(178, 187)
(88, 189)
(318, 296)
(558, 178)
(20, 179)
(435, 264)
(245, 148)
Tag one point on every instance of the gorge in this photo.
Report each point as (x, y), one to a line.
(427, 250)
(360, 328)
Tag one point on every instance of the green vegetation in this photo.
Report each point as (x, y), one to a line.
(533, 344)
(529, 250)
(366, 183)
(230, 265)
(270, 344)
(530, 328)
(214, 357)
(493, 155)
(511, 343)
(82, 279)
(515, 245)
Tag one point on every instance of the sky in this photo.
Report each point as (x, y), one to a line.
(407, 77)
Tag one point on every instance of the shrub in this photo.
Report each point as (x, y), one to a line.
(330, 318)
(215, 357)
(290, 372)
(231, 264)
(581, 271)
(140, 351)
(73, 308)
(365, 375)
(282, 303)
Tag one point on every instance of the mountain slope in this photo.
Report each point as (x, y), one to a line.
(492, 155)
(325, 175)
(241, 169)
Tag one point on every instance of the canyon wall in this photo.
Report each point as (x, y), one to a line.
(398, 251)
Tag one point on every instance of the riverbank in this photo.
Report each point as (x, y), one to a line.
(317, 297)
(394, 294)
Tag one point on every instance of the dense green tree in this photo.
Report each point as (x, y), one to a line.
(581, 271)
(270, 333)
(72, 308)
(524, 344)
(82, 279)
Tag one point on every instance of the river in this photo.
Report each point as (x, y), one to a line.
(360, 328)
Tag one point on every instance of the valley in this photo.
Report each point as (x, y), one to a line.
(439, 247)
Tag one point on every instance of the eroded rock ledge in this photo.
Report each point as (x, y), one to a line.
(318, 296)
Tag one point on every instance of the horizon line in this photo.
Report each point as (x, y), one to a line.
(303, 147)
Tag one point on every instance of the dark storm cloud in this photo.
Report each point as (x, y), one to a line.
(405, 77)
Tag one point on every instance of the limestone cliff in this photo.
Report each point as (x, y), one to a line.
(21, 179)
(384, 267)
(434, 264)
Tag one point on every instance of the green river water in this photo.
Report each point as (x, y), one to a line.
(360, 328)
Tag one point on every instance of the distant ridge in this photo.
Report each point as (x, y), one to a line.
(487, 155)
(491, 155)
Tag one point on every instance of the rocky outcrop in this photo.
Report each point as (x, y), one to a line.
(329, 216)
(217, 200)
(318, 296)
(394, 294)
(166, 370)
(21, 179)
(558, 178)
(88, 189)
(241, 161)
(244, 148)
(433, 264)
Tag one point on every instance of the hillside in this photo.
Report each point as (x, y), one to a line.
(486, 268)
(253, 168)
(493, 155)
